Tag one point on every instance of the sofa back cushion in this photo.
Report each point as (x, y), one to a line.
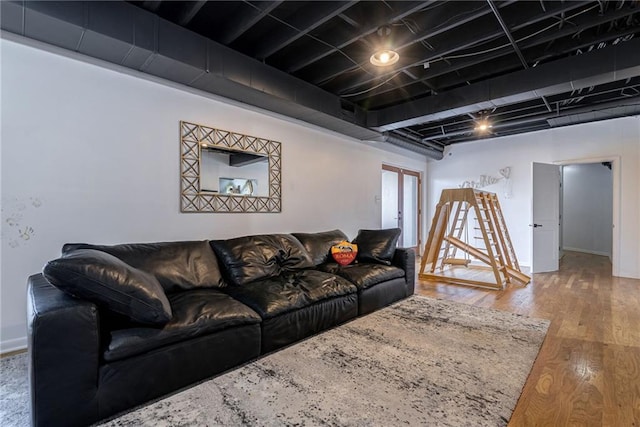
(377, 246)
(249, 258)
(318, 245)
(111, 284)
(176, 265)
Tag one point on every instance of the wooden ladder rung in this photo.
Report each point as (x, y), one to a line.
(456, 261)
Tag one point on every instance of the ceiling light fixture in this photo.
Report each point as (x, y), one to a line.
(385, 55)
(483, 126)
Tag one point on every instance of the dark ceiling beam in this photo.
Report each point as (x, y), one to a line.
(152, 5)
(597, 67)
(313, 56)
(248, 20)
(348, 20)
(505, 28)
(308, 18)
(191, 10)
(440, 68)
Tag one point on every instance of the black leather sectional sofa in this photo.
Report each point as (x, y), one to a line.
(111, 327)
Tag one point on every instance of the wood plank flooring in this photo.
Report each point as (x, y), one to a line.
(588, 370)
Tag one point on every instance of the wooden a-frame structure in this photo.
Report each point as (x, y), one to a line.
(461, 212)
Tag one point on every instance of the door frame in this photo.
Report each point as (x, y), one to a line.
(401, 172)
(615, 218)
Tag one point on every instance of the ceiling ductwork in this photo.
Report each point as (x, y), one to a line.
(431, 150)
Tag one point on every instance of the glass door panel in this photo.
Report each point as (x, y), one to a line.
(410, 211)
(390, 185)
(401, 204)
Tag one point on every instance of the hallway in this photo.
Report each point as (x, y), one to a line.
(588, 370)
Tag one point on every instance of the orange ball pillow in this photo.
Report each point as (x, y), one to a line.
(344, 253)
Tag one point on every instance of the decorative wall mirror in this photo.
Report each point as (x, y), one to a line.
(222, 171)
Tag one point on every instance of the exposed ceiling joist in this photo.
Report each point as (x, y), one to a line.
(236, 29)
(304, 21)
(152, 5)
(191, 11)
(507, 32)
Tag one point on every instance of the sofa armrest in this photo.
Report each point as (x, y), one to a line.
(405, 258)
(63, 351)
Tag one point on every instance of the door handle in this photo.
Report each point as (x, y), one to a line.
(535, 225)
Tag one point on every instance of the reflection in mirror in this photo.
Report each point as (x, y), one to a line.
(222, 171)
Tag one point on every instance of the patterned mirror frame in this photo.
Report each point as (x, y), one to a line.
(192, 199)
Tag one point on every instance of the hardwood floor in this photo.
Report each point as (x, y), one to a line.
(588, 370)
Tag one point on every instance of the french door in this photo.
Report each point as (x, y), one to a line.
(401, 204)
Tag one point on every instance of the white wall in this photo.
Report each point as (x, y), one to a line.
(571, 144)
(90, 154)
(587, 212)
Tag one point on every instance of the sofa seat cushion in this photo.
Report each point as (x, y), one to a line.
(290, 291)
(195, 313)
(364, 275)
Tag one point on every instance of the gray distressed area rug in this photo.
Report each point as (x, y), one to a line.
(418, 362)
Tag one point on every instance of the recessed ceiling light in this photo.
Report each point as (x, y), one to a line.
(382, 58)
(384, 55)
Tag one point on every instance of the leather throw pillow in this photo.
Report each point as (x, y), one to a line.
(377, 246)
(319, 245)
(110, 283)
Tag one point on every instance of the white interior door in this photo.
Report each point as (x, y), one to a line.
(545, 226)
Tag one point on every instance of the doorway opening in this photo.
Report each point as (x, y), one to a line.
(401, 201)
(587, 200)
(586, 208)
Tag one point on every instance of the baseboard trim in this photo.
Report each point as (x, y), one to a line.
(586, 251)
(14, 345)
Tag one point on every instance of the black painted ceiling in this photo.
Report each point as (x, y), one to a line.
(443, 45)
(523, 65)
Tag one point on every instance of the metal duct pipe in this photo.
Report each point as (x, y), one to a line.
(412, 145)
(418, 140)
